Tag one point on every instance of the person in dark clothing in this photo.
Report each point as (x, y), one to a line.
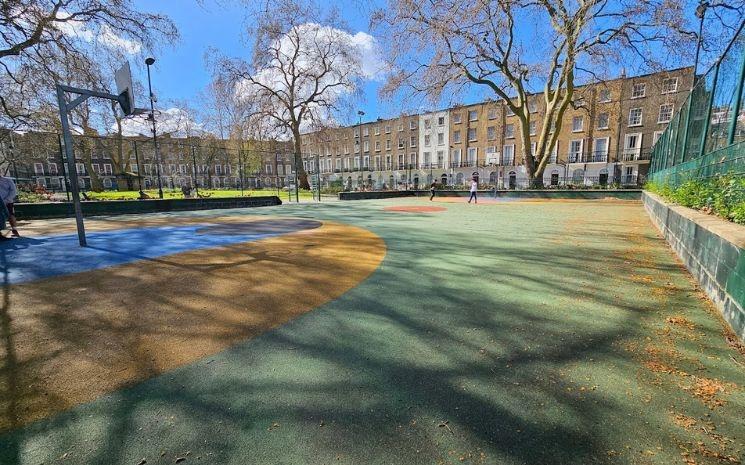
(432, 188)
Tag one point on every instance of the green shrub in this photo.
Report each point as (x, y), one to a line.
(723, 196)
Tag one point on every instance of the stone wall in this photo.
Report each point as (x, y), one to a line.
(712, 249)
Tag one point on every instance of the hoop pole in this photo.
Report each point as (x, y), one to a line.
(72, 169)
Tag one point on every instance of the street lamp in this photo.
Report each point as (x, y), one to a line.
(700, 13)
(149, 62)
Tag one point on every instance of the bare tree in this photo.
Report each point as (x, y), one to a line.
(517, 48)
(304, 65)
(38, 37)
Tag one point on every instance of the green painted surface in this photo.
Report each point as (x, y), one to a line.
(469, 344)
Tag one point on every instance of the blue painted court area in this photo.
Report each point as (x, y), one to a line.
(28, 259)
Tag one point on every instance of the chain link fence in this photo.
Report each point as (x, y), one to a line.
(706, 138)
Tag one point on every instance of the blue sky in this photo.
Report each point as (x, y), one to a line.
(180, 72)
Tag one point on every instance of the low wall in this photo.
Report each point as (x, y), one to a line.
(624, 194)
(712, 249)
(28, 211)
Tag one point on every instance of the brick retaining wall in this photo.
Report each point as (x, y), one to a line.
(712, 249)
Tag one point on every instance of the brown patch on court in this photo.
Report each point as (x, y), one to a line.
(70, 339)
(414, 209)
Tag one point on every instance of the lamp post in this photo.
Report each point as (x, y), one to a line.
(149, 62)
(700, 14)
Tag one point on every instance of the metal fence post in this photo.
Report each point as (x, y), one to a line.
(708, 110)
(736, 106)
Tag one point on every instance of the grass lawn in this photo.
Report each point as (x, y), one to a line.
(176, 194)
(503, 333)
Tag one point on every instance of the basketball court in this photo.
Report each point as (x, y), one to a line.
(389, 331)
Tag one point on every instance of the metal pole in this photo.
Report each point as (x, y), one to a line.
(736, 106)
(240, 169)
(155, 137)
(139, 170)
(194, 169)
(62, 101)
(65, 181)
(700, 13)
(318, 177)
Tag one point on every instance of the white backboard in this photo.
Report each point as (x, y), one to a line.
(124, 88)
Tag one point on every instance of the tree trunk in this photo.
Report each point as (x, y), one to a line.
(298, 157)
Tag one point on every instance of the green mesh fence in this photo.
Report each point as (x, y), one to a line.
(706, 136)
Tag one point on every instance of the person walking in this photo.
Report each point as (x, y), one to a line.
(474, 188)
(432, 190)
(8, 194)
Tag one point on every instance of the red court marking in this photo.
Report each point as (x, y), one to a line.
(414, 209)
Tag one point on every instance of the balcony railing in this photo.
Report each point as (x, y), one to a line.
(463, 164)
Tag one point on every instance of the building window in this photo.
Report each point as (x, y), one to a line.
(456, 157)
(400, 127)
(107, 168)
(366, 146)
(473, 154)
(635, 117)
(412, 141)
(532, 107)
(603, 119)
(666, 113)
(356, 132)
(387, 129)
(377, 146)
(632, 145)
(366, 131)
(388, 144)
(376, 130)
(441, 121)
(600, 153)
(52, 167)
(509, 111)
(669, 85)
(427, 124)
(472, 134)
(532, 127)
(639, 90)
(412, 124)
(427, 160)
(492, 113)
(268, 168)
(508, 155)
(400, 143)
(456, 136)
(656, 136)
(604, 96)
(491, 133)
(456, 118)
(509, 131)
(427, 141)
(473, 115)
(575, 151)
(39, 169)
(440, 138)
(577, 123)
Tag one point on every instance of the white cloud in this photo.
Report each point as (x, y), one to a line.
(104, 35)
(355, 58)
(173, 121)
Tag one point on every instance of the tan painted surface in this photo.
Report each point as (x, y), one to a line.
(70, 339)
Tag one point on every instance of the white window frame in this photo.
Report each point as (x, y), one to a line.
(456, 118)
(674, 88)
(475, 135)
(641, 117)
(509, 134)
(511, 157)
(491, 133)
(670, 115)
(581, 120)
(473, 115)
(601, 93)
(456, 137)
(637, 86)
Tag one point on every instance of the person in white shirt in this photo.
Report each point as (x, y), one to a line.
(8, 194)
(474, 188)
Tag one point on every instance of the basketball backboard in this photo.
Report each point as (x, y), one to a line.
(125, 89)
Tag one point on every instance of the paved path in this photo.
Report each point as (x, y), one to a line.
(508, 333)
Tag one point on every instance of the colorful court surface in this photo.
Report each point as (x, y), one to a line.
(350, 333)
